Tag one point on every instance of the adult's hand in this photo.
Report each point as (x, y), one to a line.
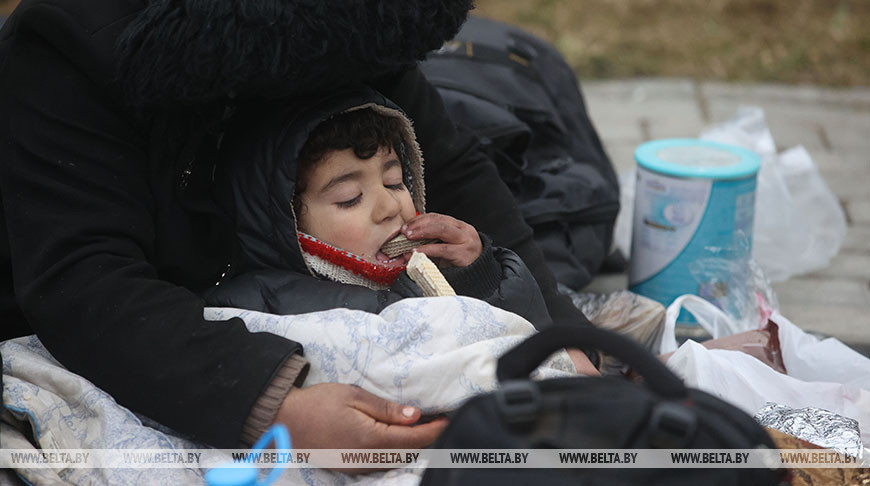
(339, 416)
(582, 363)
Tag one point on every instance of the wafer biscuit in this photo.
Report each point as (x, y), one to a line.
(400, 245)
(425, 274)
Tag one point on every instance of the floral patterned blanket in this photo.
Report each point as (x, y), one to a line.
(429, 352)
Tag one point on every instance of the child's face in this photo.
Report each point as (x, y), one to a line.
(356, 205)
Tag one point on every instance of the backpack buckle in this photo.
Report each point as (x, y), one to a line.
(672, 425)
(518, 401)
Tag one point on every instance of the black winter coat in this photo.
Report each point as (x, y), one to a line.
(255, 182)
(110, 118)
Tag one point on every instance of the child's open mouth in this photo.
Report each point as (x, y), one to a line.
(399, 261)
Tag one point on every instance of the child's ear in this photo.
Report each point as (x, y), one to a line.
(299, 211)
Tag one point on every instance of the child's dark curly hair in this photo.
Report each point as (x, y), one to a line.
(364, 130)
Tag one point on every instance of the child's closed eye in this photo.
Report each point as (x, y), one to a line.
(395, 187)
(350, 202)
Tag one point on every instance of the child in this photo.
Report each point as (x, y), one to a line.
(318, 190)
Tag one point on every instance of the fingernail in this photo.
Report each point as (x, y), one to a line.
(408, 412)
(404, 227)
(408, 233)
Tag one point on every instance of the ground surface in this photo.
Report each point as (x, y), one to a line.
(834, 126)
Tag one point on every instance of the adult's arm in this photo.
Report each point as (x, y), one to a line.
(79, 216)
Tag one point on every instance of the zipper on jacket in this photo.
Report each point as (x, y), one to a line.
(224, 274)
(184, 180)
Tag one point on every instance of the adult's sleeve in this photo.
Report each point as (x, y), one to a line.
(463, 182)
(80, 220)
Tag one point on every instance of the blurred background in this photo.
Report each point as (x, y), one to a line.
(824, 42)
(6, 6)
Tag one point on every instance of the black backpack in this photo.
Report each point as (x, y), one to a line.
(519, 96)
(597, 413)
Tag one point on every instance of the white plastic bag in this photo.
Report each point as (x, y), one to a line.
(799, 224)
(809, 358)
(823, 374)
(709, 317)
(622, 228)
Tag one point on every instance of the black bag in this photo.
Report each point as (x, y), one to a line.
(517, 94)
(597, 413)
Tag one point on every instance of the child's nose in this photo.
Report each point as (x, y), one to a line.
(388, 206)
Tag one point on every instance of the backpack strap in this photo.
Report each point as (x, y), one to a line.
(483, 52)
(525, 357)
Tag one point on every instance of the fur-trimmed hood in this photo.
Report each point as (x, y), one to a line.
(256, 175)
(198, 51)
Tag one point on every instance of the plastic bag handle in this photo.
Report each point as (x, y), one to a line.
(525, 357)
(712, 319)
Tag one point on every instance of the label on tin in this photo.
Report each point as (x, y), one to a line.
(680, 220)
(667, 213)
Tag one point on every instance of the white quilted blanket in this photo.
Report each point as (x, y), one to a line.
(430, 352)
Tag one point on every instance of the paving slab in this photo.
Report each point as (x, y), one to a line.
(848, 324)
(858, 210)
(621, 154)
(857, 239)
(857, 98)
(846, 265)
(656, 109)
(639, 90)
(817, 118)
(806, 290)
(840, 160)
(850, 183)
(815, 127)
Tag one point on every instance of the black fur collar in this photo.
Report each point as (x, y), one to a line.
(196, 51)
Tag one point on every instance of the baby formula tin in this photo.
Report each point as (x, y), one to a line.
(690, 194)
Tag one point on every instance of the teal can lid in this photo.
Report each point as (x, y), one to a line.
(690, 157)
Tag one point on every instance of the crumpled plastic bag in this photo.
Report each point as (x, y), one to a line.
(735, 283)
(824, 374)
(629, 314)
(799, 225)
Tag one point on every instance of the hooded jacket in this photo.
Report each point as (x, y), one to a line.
(256, 181)
(111, 115)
